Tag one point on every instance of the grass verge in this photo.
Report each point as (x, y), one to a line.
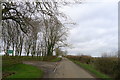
(56, 59)
(92, 70)
(12, 66)
(23, 71)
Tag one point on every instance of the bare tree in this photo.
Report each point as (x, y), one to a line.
(23, 21)
(54, 33)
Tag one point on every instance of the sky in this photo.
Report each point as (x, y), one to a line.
(96, 29)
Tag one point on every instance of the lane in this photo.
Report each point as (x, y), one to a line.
(67, 69)
(62, 69)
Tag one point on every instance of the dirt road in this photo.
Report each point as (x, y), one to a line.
(67, 69)
(62, 69)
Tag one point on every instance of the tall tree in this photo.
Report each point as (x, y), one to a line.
(23, 21)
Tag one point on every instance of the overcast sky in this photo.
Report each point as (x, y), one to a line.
(96, 31)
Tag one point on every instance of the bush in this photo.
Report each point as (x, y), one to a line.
(117, 71)
(106, 65)
(82, 58)
(48, 58)
(9, 61)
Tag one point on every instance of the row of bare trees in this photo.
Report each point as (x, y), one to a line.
(32, 27)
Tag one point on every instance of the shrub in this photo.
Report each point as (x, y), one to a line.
(82, 58)
(106, 65)
(48, 58)
(9, 61)
(117, 70)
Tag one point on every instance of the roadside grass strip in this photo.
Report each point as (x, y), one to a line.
(92, 70)
(56, 59)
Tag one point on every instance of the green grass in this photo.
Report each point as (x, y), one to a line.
(13, 64)
(24, 71)
(92, 70)
(56, 59)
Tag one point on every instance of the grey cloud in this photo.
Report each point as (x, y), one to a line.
(97, 30)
